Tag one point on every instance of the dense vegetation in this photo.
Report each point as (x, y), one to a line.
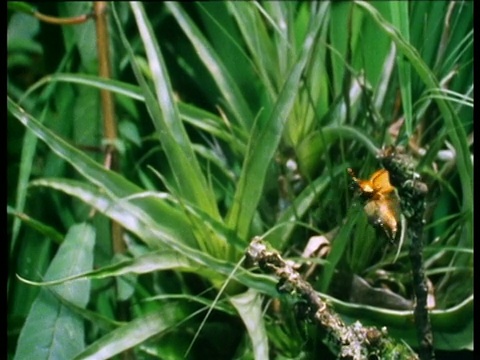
(230, 120)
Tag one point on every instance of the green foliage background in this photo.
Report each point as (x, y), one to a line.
(235, 119)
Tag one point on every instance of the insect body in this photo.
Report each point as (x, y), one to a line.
(382, 204)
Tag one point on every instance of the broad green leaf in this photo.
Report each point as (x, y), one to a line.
(52, 330)
(79, 37)
(21, 6)
(249, 306)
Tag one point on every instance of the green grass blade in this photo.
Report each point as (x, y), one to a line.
(456, 131)
(230, 91)
(143, 264)
(110, 182)
(95, 81)
(134, 333)
(185, 168)
(400, 19)
(173, 229)
(42, 228)
(339, 36)
(197, 117)
(304, 201)
(256, 37)
(26, 162)
(140, 220)
(264, 143)
(443, 320)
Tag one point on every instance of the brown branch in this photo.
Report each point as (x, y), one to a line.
(352, 342)
(75, 20)
(109, 132)
(104, 70)
(412, 192)
(108, 107)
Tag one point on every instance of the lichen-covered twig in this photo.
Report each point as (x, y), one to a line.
(353, 342)
(412, 192)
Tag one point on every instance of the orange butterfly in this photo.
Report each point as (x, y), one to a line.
(382, 206)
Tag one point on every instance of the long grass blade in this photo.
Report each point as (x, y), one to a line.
(229, 89)
(265, 139)
(162, 107)
(456, 131)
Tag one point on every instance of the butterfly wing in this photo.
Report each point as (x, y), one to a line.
(380, 181)
(384, 213)
(365, 186)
